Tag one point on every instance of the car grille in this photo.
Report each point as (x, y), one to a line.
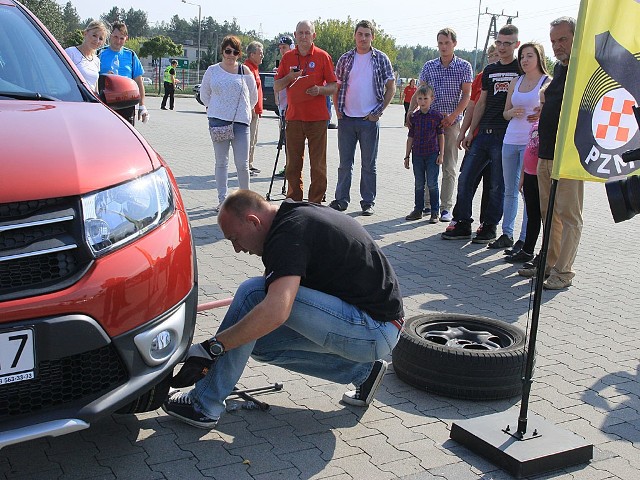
(62, 381)
(41, 247)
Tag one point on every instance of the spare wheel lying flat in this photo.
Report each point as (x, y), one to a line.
(461, 356)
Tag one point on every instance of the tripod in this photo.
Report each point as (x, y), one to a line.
(281, 142)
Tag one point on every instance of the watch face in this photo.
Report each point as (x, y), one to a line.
(216, 348)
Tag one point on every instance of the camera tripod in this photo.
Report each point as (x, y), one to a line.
(281, 143)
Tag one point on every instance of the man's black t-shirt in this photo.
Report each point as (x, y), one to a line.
(550, 113)
(495, 80)
(334, 254)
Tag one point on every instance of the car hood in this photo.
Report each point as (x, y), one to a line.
(57, 149)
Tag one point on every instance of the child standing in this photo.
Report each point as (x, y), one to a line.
(425, 143)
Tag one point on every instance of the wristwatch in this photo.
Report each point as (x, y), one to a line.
(216, 348)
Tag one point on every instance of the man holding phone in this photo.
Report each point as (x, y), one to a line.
(307, 75)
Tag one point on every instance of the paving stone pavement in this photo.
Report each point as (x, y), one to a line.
(587, 377)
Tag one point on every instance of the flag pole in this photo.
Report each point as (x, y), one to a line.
(527, 380)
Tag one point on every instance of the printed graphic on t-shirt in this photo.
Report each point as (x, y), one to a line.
(501, 81)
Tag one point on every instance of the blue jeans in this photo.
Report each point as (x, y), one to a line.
(240, 145)
(323, 337)
(512, 158)
(425, 172)
(351, 131)
(485, 150)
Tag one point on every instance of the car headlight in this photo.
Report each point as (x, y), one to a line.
(118, 215)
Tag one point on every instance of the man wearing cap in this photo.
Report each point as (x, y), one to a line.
(254, 59)
(366, 86)
(306, 73)
(285, 43)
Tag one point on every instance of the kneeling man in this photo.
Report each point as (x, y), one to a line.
(329, 305)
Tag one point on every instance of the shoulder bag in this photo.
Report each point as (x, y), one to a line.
(225, 132)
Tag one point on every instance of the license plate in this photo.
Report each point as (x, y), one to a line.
(17, 359)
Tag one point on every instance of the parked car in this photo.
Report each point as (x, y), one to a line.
(98, 285)
(269, 99)
(196, 93)
(147, 81)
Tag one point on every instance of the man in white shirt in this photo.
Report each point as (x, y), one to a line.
(366, 86)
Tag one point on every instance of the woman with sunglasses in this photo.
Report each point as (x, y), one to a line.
(229, 91)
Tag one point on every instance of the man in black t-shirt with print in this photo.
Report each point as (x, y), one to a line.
(486, 148)
(328, 305)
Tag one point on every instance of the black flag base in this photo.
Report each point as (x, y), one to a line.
(543, 448)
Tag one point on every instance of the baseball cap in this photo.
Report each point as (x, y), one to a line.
(285, 39)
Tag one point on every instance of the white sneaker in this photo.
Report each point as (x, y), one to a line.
(445, 216)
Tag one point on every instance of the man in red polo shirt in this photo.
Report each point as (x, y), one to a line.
(254, 59)
(307, 74)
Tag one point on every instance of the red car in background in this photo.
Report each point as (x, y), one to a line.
(98, 282)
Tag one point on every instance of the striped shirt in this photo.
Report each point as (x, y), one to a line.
(447, 83)
(382, 73)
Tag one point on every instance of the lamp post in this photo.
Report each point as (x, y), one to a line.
(199, 29)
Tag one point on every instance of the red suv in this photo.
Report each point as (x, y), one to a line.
(98, 285)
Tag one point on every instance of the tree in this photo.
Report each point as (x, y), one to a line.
(178, 29)
(137, 23)
(71, 18)
(336, 37)
(72, 38)
(114, 15)
(49, 13)
(135, 44)
(158, 47)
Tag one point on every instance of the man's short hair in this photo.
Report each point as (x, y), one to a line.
(448, 32)
(508, 29)
(424, 90)
(120, 26)
(239, 202)
(568, 20)
(253, 47)
(365, 24)
(312, 27)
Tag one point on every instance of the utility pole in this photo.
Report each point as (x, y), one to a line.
(493, 32)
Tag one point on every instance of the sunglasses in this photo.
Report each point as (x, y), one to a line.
(231, 51)
(498, 43)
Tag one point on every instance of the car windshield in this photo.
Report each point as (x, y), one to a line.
(30, 67)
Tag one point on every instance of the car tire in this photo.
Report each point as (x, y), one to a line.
(461, 356)
(152, 400)
(198, 99)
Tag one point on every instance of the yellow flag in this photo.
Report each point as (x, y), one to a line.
(597, 122)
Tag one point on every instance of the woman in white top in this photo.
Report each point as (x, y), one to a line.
(84, 56)
(521, 109)
(229, 91)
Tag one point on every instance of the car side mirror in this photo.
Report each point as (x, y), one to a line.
(118, 92)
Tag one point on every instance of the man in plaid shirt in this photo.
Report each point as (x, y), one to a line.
(366, 86)
(451, 78)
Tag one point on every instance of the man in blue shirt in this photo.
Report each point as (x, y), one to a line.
(366, 86)
(118, 60)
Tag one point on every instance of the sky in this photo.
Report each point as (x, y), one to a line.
(409, 25)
